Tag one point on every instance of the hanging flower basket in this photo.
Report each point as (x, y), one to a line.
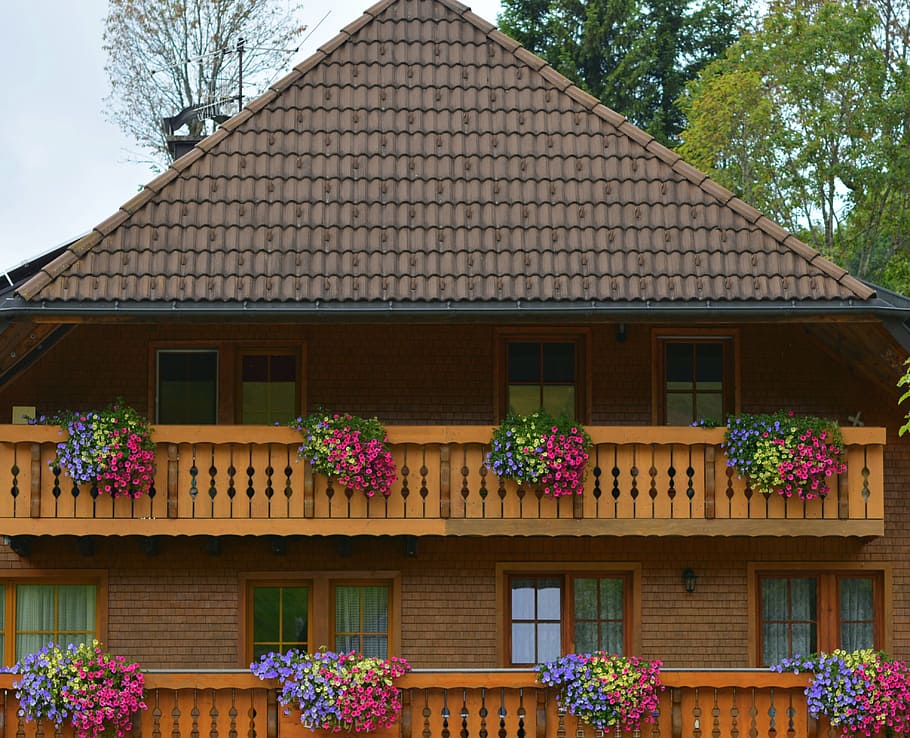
(336, 691)
(785, 453)
(862, 693)
(353, 450)
(605, 690)
(542, 451)
(111, 449)
(81, 686)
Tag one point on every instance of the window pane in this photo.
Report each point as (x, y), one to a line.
(64, 614)
(375, 609)
(362, 618)
(586, 637)
(549, 646)
(523, 643)
(255, 368)
(283, 368)
(294, 615)
(709, 406)
(187, 387)
(559, 363)
(268, 389)
(612, 604)
(559, 400)
(679, 358)
(804, 639)
(76, 604)
(377, 646)
(524, 362)
(857, 636)
(585, 599)
(802, 598)
(548, 599)
(35, 607)
(774, 598)
(265, 614)
(612, 638)
(523, 593)
(775, 644)
(857, 613)
(524, 399)
(709, 362)
(679, 409)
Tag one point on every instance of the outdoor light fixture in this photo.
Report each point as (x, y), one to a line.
(689, 578)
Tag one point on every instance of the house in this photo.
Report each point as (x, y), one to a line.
(425, 223)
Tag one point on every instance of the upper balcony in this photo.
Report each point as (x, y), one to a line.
(641, 480)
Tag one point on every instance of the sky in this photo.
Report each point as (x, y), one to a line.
(63, 167)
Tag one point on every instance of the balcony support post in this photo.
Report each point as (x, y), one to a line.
(404, 722)
(445, 482)
(271, 724)
(309, 497)
(173, 480)
(675, 712)
(710, 491)
(35, 490)
(541, 713)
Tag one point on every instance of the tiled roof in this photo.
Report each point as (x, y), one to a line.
(424, 157)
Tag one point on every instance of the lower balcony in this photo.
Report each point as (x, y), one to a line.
(466, 704)
(247, 480)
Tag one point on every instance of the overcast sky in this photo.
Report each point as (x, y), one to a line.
(63, 167)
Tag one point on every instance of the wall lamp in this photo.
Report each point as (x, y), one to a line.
(689, 577)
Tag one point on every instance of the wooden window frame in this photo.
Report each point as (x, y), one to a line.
(251, 586)
(729, 337)
(827, 576)
(88, 577)
(348, 582)
(295, 350)
(630, 572)
(581, 337)
(321, 625)
(229, 358)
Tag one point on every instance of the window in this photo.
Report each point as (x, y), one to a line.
(187, 391)
(804, 612)
(37, 612)
(542, 374)
(268, 388)
(341, 610)
(695, 378)
(553, 614)
(280, 618)
(361, 618)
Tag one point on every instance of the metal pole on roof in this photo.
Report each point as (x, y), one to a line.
(240, 75)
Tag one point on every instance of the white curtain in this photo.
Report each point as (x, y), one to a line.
(48, 612)
(362, 619)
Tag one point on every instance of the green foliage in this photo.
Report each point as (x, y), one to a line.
(807, 118)
(634, 55)
(904, 381)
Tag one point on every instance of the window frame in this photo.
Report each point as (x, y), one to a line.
(580, 337)
(729, 338)
(321, 625)
(57, 577)
(296, 351)
(334, 583)
(505, 571)
(828, 576)
(156, 352)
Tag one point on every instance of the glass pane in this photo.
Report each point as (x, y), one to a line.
(774, 643)
(524, 362)
(612, 638)
(774, 599)
(611, 599)
(856, 599)
(709, 362)
(76, 603)
(559, 400)
(294, 615)
(255, 368)
(347, 643)
(524, 399)
(585, 637)
(586, 599)
(549, 646)
(857, 636)
(375, 645)
(679, 409)
(709, 406)
(35, 608)
(30, 643)
(375, 609)
(559, 362)
(548, 599)
(284, 369)
(265, 614)
(523, 599)
(802, 599)
(804, 640)
(347, 609)
(679, 358)
(523, 643)
(187, 387)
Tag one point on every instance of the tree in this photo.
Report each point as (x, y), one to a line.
(807, 119)
(164, 56)
(634, 55)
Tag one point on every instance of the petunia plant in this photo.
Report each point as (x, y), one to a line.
(82, 686)
(785, 453)
(336, 691)
(353, 450)
(110, 448)
(605, 690)
(861, 692)
(540, 450)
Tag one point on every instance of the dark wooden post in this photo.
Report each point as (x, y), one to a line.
(710, 490)
(541, 713)
(309, 496)
(445, 482)
(404, 720)
(675, 712)
(271, 725)
(173, 480)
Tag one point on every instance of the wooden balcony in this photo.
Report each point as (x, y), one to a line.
(641, 481)
(436, 704)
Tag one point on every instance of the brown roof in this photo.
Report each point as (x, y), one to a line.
(423, 156)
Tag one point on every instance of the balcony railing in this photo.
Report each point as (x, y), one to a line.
(504, 703)
(641, 481)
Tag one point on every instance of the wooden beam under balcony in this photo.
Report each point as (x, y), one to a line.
(247, 480)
